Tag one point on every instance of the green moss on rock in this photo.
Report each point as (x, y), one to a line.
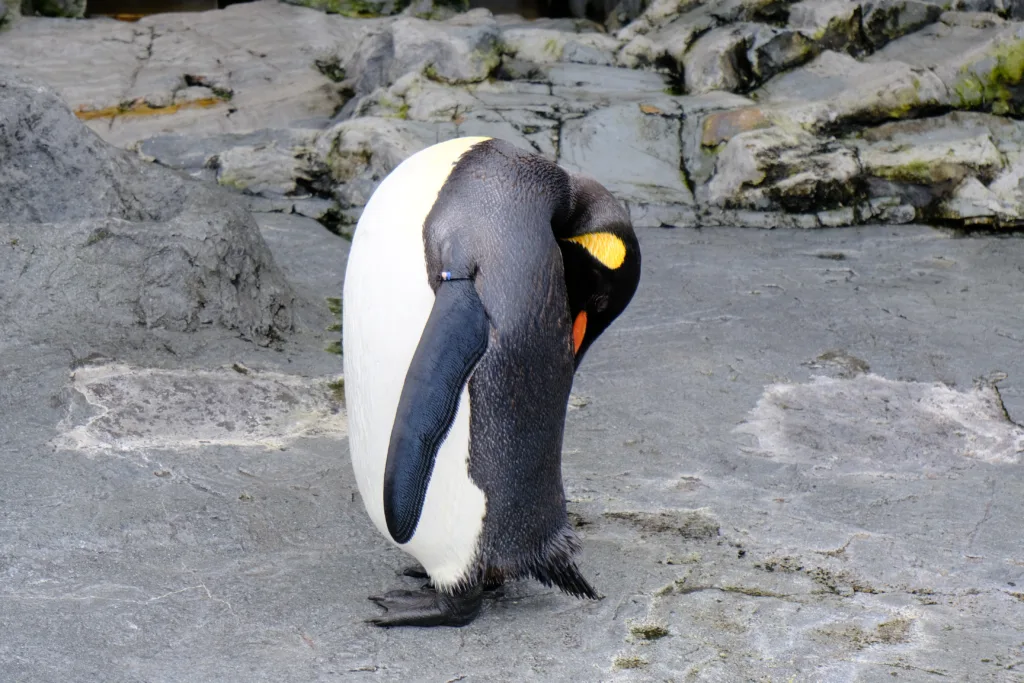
(628, 662)
(991, 82)
(648, 631)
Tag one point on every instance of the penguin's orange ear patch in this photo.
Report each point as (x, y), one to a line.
(604, 246)
(579, 329)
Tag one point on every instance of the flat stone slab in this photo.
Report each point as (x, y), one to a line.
(791, 458)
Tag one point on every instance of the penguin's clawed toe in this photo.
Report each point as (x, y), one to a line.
(415, 571)
(427, 608)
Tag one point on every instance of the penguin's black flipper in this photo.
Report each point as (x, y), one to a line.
(428, 608)
(454, 339)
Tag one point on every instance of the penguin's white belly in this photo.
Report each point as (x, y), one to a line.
(385, 307)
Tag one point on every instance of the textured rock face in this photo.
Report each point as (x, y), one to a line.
(99, 243)
(746, 111)
(462, 50)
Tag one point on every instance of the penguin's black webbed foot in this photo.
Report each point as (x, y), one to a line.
(415, 571)
(428, 608)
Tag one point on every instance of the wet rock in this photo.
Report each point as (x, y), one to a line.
(115, 246)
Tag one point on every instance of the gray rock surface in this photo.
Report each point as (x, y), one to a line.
(796, 456)
(838, 504)
(89, 228)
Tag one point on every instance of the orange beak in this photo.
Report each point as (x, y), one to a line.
(579, 329)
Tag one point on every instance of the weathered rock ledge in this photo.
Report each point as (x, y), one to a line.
(744, 112)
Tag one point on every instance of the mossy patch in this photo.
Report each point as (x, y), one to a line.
(98, 235)
(331, 68)
(628, 662)
(694, 524)
(648, 631)
(915, 171)
(357, 9)
(334, 306)
(990, 82)
(554, 48)
(334, 347)
(337, 388)
(894, 631)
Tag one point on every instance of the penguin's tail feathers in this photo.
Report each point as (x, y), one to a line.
(569, 579)
(558, 568)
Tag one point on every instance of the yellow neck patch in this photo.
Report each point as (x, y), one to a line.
(604, 246)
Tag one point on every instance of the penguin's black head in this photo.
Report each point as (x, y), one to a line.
(601, 258)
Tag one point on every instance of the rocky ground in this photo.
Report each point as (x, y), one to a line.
(794, 458)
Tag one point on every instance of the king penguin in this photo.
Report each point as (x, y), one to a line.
(479, 275)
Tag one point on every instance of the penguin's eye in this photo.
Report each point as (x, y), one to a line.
(599, 303)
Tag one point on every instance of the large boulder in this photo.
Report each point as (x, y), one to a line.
(100, 245)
